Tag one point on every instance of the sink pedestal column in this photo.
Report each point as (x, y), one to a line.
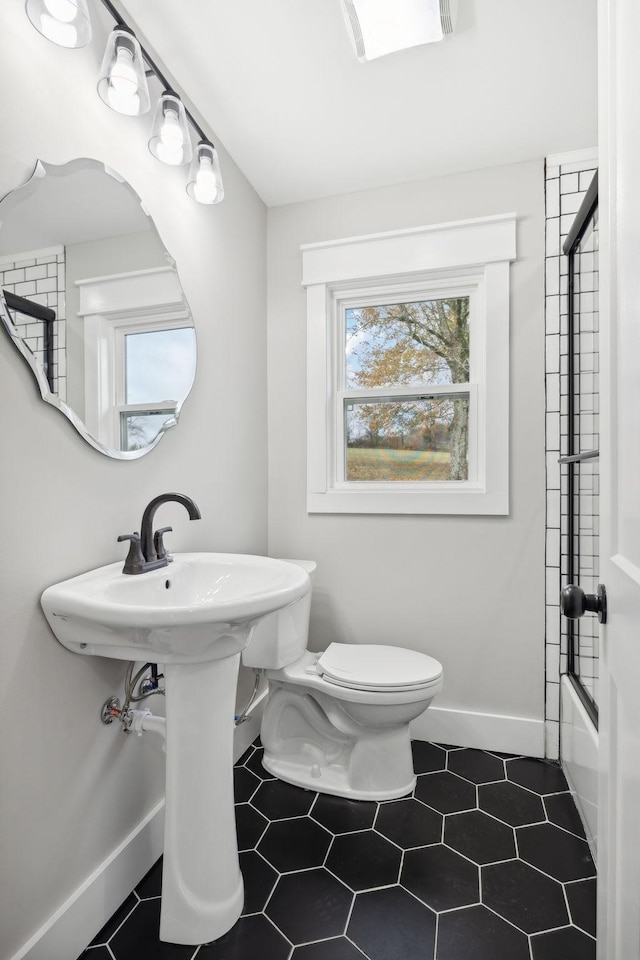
(202, 891)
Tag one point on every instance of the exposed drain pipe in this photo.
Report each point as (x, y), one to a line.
(138, 721)
(142, 720)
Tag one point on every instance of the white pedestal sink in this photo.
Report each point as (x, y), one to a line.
(194, 617)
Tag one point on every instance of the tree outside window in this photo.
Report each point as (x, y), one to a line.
(416, 345)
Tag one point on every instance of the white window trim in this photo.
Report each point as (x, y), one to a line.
(112, 307)
(470, 255)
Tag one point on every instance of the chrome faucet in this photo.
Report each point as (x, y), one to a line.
(147, 550)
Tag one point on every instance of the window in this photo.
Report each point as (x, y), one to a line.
(408, 370)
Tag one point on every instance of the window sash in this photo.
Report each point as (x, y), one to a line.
(466, 288)
(381, 394)
(162, 406)
(122, 411)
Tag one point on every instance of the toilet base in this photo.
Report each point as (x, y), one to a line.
(311, 742)
(331, 780)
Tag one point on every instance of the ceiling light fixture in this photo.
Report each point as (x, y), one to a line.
(123, 87)
(379, 27)
(65, 22)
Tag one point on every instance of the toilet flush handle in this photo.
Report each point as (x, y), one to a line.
(574, 602)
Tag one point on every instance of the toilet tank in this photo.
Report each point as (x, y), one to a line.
(280, 638)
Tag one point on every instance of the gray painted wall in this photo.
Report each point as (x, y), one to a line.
(467, 590)
(71, 789)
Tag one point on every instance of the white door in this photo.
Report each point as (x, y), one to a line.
(619, 800)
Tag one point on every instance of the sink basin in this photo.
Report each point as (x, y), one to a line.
(196, 609)
(193, 617)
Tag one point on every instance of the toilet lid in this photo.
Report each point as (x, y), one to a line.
(369, 666)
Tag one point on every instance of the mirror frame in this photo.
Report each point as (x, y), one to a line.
(40, 170)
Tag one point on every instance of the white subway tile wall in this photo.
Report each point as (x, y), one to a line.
(40, 278)
(567, 178)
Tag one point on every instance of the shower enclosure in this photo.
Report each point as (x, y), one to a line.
(580, 449)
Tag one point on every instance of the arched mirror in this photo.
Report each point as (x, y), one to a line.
(92, 300)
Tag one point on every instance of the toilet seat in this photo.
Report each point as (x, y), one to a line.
(377, 667)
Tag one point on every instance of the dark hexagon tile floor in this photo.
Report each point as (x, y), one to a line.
(524, 896)
(479, 837)
(440, 877)
(295, 844)
(486, 859)
(476, 766)
(511, 803)
(409, 823)
(364, 860)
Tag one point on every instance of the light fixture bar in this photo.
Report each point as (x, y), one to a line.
(122, 86)
(155, 69)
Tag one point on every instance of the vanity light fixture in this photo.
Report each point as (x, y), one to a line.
(378, 27)
(204, 182)
(123, 83)
(170, 141)
(65, 22)
(123, 87)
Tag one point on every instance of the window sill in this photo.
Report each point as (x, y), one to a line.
(464, 499)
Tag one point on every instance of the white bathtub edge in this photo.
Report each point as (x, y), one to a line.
(579, 750)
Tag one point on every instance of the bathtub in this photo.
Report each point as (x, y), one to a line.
(579, 751)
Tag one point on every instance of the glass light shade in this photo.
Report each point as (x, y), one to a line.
(204, 182)
(170, 140)
(65, 22)
(123, 84)
(378, 27)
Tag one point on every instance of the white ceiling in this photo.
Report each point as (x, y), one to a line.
(278, 83)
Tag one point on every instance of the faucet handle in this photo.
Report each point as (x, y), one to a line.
(135, 559)
(158, 543)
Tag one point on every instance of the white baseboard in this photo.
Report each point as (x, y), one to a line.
(484, 731)
(75, 923)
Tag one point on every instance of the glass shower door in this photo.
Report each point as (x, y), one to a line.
(580, 461)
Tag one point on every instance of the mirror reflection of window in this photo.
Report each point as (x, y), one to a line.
(159, 366)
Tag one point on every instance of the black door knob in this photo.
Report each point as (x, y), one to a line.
(574, 602)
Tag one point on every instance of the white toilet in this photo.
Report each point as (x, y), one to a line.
(338, 722)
